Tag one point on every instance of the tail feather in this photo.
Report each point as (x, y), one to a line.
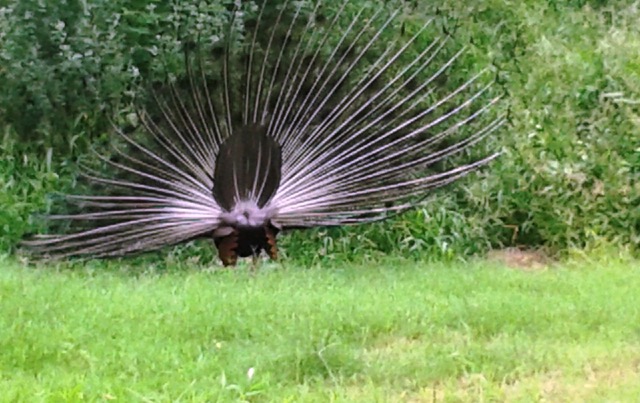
(316, 121)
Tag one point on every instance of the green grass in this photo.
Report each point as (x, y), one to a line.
(389, 332)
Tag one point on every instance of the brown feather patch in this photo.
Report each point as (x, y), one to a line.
(227, 249)
(271, 241)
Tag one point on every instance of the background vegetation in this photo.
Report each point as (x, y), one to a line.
(571, 71)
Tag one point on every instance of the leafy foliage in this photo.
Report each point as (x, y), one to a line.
(569, 176)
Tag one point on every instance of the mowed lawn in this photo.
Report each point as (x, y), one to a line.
(396, 331)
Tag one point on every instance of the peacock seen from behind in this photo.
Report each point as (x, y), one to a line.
(310, 115)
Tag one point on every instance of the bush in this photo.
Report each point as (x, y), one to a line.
(569, 176)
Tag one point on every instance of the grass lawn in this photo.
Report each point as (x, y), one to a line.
(397, 331)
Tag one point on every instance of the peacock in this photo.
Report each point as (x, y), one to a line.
(308, 115)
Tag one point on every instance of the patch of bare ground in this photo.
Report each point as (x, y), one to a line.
(524, 259)
(593, 384)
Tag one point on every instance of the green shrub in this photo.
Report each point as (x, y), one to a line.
(569, 176)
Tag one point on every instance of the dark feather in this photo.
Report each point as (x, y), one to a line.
(248, 167)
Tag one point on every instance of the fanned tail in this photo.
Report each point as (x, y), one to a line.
(317, 114)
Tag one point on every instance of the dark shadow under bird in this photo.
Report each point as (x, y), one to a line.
(307, 122)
